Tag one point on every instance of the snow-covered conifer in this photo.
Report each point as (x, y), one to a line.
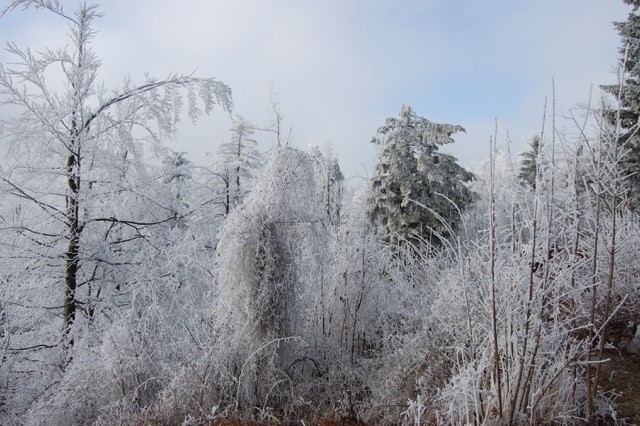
(529, 163)
(627, 92)
(415, 187)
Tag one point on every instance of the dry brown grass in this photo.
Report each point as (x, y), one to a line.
(622, 374)
(331, 420)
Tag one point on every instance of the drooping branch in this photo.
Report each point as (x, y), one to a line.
(221, 91)
(54, 6)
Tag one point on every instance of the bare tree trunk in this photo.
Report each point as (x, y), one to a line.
(227, 190)
(494, 313)
(73, 182)
(236, 201)
(74, 231)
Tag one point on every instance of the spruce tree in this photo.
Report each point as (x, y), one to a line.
(529, 163)
(628, 94)
(417, 191)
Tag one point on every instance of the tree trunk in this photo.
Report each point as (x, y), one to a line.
(72, 253)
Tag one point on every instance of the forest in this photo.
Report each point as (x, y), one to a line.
(138, 288)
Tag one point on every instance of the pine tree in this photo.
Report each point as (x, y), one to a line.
(628, 94)
(417, 191)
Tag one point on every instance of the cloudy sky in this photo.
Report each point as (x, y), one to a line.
(340, 67)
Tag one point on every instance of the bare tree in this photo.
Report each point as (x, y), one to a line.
(75, 173)
(235, 164)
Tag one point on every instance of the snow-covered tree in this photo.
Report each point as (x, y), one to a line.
(85, 201)
(627, 92)
(330, 182)
(267, 269)
(528, 173)
(235, 164)
(418, 192)
(176, 175)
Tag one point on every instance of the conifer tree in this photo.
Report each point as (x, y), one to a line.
(529, 163)
(417, 191)
(628, 93)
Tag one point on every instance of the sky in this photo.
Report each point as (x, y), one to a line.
(339, 68)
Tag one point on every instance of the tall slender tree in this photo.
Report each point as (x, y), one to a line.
(236, 161)
(329, 180)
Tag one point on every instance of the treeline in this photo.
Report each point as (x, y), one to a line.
(136, 287)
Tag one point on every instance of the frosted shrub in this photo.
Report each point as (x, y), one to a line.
(268, 270)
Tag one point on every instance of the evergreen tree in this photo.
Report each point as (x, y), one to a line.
(628, 94)
(417, 191)
(529, 163)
